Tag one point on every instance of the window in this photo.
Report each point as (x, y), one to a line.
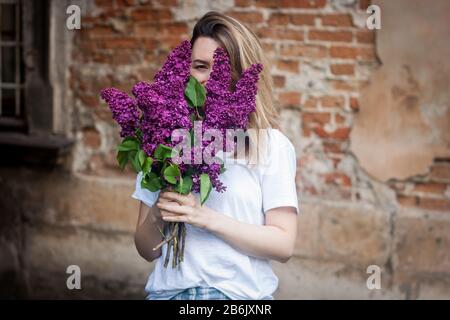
(26, 95)
(12, 69)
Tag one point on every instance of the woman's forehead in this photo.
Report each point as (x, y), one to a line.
(203, 49)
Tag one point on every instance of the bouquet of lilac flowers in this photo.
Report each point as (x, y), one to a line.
(177, 101)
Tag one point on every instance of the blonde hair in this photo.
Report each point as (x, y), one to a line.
(244, 49)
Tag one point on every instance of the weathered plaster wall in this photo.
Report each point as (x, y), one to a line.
(351, 130)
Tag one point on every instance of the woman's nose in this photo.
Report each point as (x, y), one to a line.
(203, 80)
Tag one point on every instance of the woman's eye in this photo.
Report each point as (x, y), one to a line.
(201, 67)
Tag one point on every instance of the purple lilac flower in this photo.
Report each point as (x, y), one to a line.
(165, 109)
(225, 109)
(123, 109)
(162, 102)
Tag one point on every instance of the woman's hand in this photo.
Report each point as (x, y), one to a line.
(176, 207)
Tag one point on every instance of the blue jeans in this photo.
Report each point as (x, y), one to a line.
(200, 293)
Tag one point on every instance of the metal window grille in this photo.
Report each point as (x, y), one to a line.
(12, 66)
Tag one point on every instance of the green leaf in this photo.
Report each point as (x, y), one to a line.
(141, 157)
(151, 182)
(195, 93)
(134, 158)
(122, 158)
(147, 166)
(222, 168)
(163, 152)
(185, 185)
(205, 187)
(128, 145)
(171, 172)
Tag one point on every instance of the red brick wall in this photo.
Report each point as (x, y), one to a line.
(321, 57)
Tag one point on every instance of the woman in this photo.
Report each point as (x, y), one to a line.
(234, 235)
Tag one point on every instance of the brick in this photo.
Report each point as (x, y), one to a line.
(342, 69)
(302, 4)
(303, 19)
(288, 65)
(243, 3)
(440, 172)
(104, 3)
(354, 104)
(332, 101)
(100, 31)
(366, 54)
(337, 20)
(428, 187)
(408, 201)
(331, 36)
(435, 204)
(154, 31)
(365, 36)
(289, 99)
(309, 51)
(121, 43)
(279, 19)
(91, 138)
(311, 102)
(89, 100)
(280, 34)
(343, 52)
(151, 15)
(125, 3)
(295, 19)
(341, 133)
(279, 81)
(309, 118)
(269, 48)
(343, 85)
(339, 119)
(247, 16)
(364, 4)
(338, 134)
(424, 203)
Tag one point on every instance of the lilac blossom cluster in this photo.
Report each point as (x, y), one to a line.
(124, 110)
(164, 107)
(225, 109)
(162, 102)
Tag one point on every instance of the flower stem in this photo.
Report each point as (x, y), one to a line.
(173, 234)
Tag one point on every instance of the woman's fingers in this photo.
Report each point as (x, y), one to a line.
(174, 208)
(176, 219)
(220, 77)
(186, 200)
(165, 213)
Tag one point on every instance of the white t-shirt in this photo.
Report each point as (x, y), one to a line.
(209, 261)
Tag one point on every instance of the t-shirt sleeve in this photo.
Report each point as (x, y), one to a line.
(278, 175)
(146, 196)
